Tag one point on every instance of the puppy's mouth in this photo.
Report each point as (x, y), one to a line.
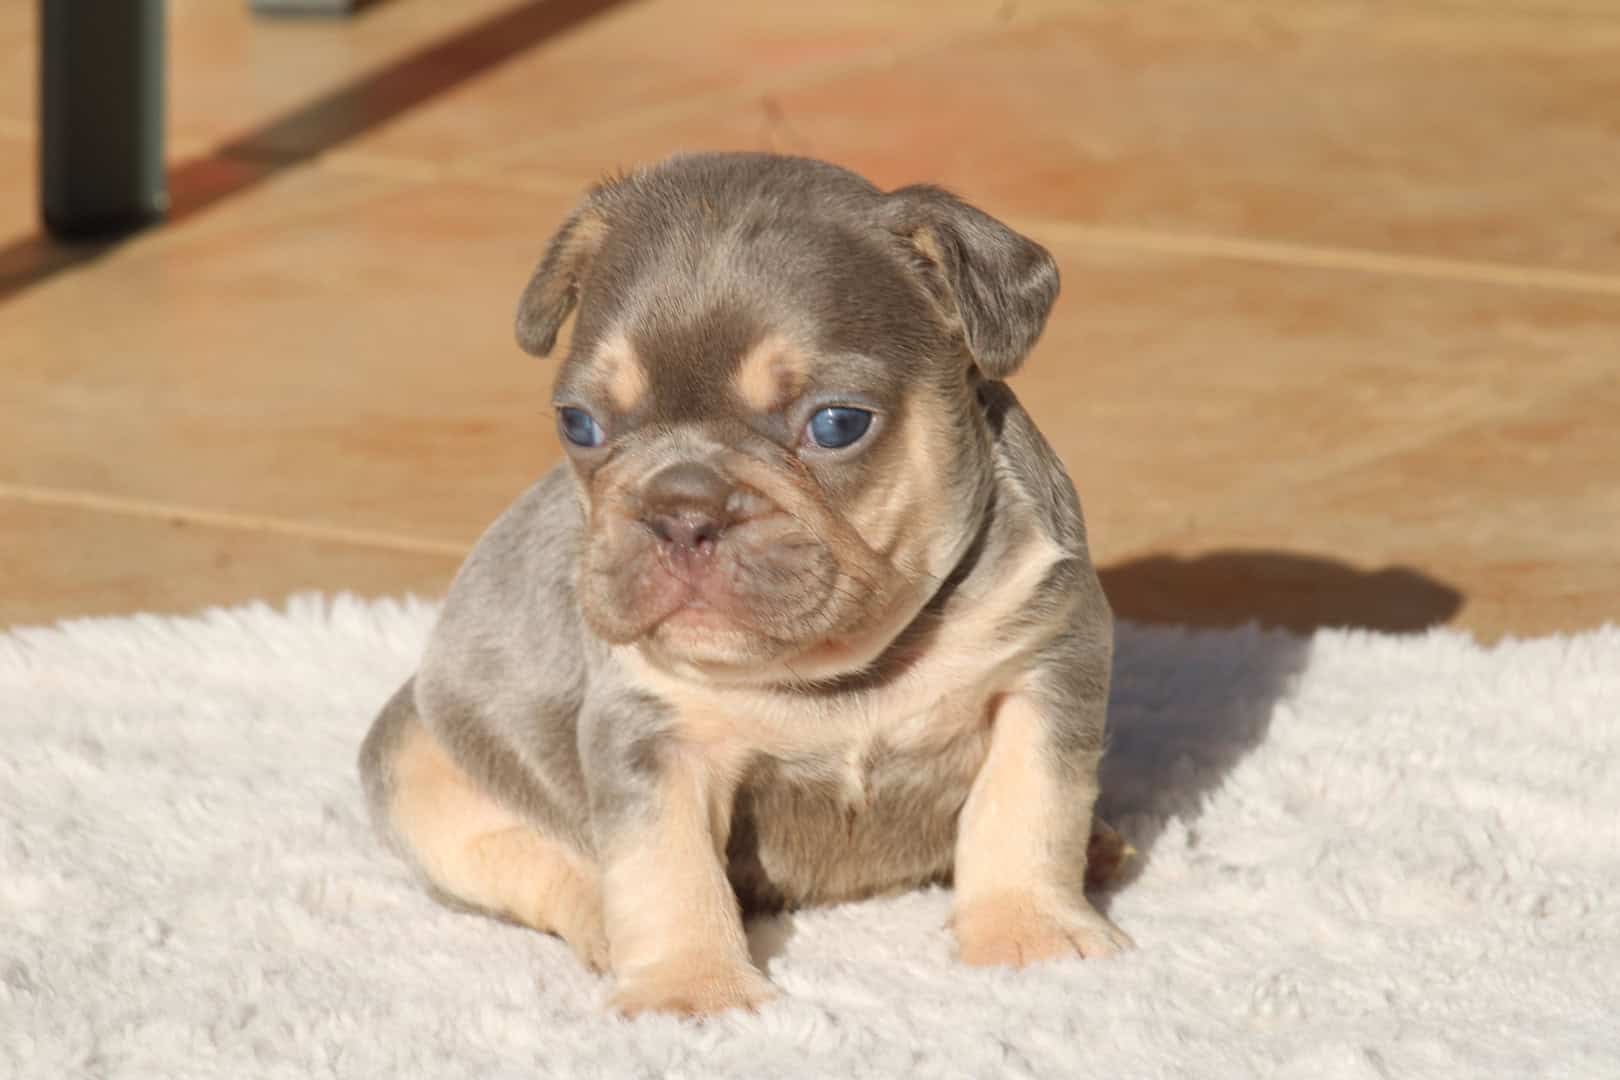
(758, 594)
(695, 616)
(685, 592)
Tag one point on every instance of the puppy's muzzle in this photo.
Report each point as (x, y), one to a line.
(687, 507)
(702, 557)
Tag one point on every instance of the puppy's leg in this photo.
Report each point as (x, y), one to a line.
(483, 854)
(1022, 845)
(674, 928)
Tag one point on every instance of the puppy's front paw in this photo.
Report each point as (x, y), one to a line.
(693, 992)
(1015, 928)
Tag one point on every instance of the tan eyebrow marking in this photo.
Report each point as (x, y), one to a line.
(621, 374)
(771, 374)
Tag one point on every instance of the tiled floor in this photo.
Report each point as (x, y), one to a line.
(1339, 341)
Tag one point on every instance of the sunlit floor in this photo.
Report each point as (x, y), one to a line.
(1339, 341)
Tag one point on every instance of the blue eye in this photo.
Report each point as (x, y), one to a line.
(838, 426)
(579, 428)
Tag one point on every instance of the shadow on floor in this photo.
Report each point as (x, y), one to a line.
(330, 120)
(1190, 701)
(1275, 588)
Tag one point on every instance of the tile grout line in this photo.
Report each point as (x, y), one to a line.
(1283, 253)
(256, 523)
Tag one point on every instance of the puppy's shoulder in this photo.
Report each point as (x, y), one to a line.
(508, 663)
(537, 538)
(1032, 486)
(1030, 472)
(511, 616)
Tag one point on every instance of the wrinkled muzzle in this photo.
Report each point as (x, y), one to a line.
(722, 559)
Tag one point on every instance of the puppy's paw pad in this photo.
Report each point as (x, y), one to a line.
(1015, 930)
(693, 994)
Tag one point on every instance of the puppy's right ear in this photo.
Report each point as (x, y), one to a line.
(553, 289)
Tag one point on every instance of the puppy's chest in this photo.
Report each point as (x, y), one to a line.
(864, 797)
(872, 813)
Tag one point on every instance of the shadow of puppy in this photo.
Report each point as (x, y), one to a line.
(768, 936)
(1275, 588)
(1187, 706)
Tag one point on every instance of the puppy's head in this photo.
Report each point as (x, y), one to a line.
(769, 403)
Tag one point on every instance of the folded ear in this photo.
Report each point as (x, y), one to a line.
(553, 288)
(997, 285)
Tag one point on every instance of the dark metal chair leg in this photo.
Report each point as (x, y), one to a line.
(101, 116)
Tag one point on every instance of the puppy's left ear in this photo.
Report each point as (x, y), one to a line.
(553, 288)
(997, 285)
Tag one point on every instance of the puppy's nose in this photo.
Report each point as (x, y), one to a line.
(688, 530)
(685, 505)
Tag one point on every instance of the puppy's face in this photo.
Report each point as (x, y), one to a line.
(769, 404)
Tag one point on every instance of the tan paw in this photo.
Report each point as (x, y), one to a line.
(678, 989)
(1015, 928)
(589, 942)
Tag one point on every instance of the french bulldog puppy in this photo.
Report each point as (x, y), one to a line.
(807, 615)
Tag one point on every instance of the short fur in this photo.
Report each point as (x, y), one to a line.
(709, 666)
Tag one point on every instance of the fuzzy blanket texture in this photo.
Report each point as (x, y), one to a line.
(1360, 856)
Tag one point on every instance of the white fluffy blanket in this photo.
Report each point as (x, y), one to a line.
(1361, 856)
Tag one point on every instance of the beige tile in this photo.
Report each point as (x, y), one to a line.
(1504, 526)
(625, 64)
(1475, 133)
(326, 347)
(19, 187)
(232, 73)
(327, 344)
(60, 562)
(19, 71)
(30, 261)
(1546, 9)
(1174, 386)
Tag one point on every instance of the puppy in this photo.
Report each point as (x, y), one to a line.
(806, 616)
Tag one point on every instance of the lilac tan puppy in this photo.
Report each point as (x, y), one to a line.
(808, 614)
